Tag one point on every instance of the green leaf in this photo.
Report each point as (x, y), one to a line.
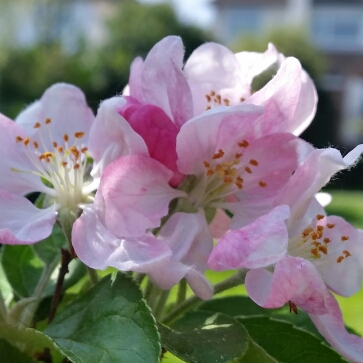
(31, 341)
(287, 343)
(12, 354)
(243, 306)
(109, 323)
(49, 248)
(22, 268)
(256, 354)
(200, 337)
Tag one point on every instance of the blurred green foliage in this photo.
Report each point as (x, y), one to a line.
(100, 72)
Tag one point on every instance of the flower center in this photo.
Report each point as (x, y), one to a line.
(319, 241)
(61, 166)
(224, 176)
(214, 99)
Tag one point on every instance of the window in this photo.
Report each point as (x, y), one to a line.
(335, 30)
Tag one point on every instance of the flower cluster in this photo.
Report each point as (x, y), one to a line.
(186, 155)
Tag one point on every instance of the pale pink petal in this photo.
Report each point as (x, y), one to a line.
(191, 248)
(294, 279)
(66, 106)
(200, 138)
(13, 157)
(342, 267)
(311, 176)
(220, 224)
(135, 80)
(134, 194)
(292, 103)
(21, 222)
(213, 67)
(163, 83)
(252, 63)
(98, 248)
(331, 326)
(111, 136)
(158, 132)
(259, 244)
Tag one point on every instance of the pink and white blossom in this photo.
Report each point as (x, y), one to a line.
(44, 150)
(297, 254)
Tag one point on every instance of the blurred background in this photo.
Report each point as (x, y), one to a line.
(91, 44)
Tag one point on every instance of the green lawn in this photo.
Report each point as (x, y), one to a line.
(349, 205)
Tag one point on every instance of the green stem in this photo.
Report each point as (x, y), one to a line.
(182, 291)
(139, 278)
(92, 276)
(27, 315)
(153, 297)
(237, 279)
(3, 308)
(158, 311)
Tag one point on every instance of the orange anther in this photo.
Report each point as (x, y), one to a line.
(248, 170)
(323, 249)
(208, 108)
(210, 172)
(78, 135)
(237, 155)
(340, 259)
(55, 144)
(346, 253)
(65, 137)
(242, 99)
(76, 167)
(253, 162)
(19, 139)
(218, 155)
(26, 141)
(262, 184)
(344, 238)
(64, 163)
(208, 98)
(315, 252)
(326, 240)
(314, 236)
(48, 121)
(84, 149)
(319, 217)
(226, 101)
(60, 149)
(330, 225)
(320, 228)
(212, 93)
(35, 145)
(244, 143)
(37, 125)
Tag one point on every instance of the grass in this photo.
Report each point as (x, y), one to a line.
(348, 205)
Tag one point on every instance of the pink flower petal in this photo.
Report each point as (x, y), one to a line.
(220, 224)
(294, 279)
(111, 136)
(200, 138)
(163, 83)
(259, 244)
(134, 195)
(343, 277)
(98, 248)
(66, 106)
(158, 132)
(331, 326)
(21, 222)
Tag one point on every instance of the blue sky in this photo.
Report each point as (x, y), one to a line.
(197, 12)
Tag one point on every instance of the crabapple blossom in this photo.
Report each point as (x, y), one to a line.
(296, 253)
(213, 76)
(44, 150)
